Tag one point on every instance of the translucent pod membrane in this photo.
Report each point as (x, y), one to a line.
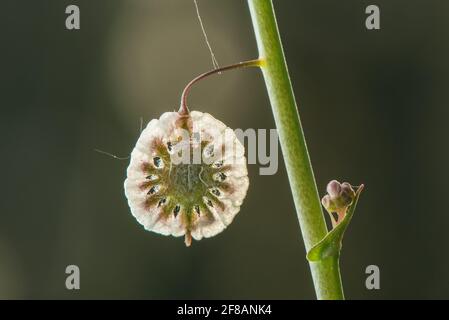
(187, 176)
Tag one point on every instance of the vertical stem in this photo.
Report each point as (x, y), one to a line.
(325, 273)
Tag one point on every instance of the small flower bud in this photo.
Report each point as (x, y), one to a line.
(347, 194)
(333, 188)
(338, 199)
(326, 201)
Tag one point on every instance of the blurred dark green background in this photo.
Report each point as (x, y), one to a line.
(373, 106)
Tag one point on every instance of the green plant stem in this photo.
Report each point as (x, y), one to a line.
(325, 273)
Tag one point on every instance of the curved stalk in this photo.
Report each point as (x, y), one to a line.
(325, 273)
(184, 110)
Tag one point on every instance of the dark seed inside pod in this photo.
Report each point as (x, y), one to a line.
(197, 209)
(161, 202)
(209, 203)
(152, 190)
(157, 162)
(218, 164)
(216, 192)
(222, 176)
(176, 210)
(169, 146)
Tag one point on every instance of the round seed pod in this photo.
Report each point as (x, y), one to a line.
(187, 176)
